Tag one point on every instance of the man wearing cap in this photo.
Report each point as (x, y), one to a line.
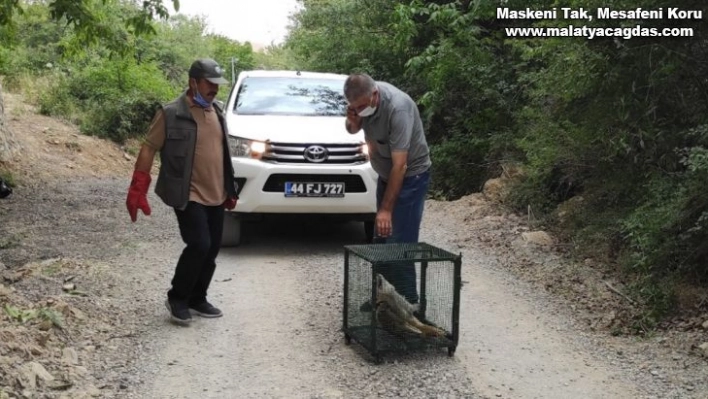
(196, 179)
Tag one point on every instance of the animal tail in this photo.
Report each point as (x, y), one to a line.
(430, 331)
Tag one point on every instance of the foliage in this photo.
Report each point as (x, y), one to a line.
(26, 315)
(89, 17)
(344, 36)
(7, 177)
(119, 98)
(459, 165)
(276, 58)
(110, 87)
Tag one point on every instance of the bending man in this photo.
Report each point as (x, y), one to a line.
(400, 156)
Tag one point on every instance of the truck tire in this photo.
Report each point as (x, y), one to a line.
(369, 231)
(231, 236)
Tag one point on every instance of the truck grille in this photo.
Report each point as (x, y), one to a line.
(276, 182)
(314, 153)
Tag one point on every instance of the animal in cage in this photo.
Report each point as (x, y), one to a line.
(381, 310)
(397, 316)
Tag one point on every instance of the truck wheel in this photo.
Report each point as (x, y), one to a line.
(231, 235)
(369, 231)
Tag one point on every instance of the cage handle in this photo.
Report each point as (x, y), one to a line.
(420, 251)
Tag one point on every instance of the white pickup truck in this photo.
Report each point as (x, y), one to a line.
(291, 152)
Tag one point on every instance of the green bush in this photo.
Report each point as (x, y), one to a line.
(7, 177)
(110, 86)
(458, 166)
(56, 100)
(120, 99)
(110, 99)
(106, 80)
(122, 118)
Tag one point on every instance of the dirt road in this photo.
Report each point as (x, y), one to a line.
(281, 294)
(282, 298)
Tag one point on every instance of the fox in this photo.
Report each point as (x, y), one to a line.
(395, 314)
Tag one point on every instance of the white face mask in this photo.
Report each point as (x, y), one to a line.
(368, 111)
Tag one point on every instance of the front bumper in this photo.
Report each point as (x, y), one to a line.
(261, 188)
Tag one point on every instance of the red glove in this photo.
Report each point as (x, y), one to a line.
(137, 195)
(230, 203)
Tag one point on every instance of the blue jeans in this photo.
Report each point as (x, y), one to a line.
(406, 218)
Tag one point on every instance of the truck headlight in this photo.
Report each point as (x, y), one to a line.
(245, 148)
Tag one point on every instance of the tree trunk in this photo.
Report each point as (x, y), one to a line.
(8, 144)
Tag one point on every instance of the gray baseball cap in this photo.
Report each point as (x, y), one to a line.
(208, 69)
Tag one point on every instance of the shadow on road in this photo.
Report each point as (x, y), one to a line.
(296, 234)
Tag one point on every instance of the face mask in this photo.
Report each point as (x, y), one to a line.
(368, 111)
(199, 100)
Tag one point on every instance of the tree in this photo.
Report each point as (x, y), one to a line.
(90, 25)
(345, 36)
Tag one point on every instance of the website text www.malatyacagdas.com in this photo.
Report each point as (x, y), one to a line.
(593, 32)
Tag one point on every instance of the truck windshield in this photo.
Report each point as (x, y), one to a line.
(291, 96)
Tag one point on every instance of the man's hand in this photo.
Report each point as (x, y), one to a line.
(230, 203)
(352, 116)
(137, 195)
(353, 122)
(384, 224)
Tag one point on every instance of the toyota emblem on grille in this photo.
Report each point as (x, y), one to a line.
(316, 153)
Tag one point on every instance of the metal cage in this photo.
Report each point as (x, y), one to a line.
(435, 284)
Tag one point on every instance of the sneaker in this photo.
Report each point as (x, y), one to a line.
(179, 312)
(205, 309)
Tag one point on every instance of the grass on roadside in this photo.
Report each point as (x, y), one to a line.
(7, 176)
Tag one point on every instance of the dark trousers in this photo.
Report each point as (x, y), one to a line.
(201, 228)
(406, 218)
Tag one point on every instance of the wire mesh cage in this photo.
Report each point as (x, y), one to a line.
(401, 297)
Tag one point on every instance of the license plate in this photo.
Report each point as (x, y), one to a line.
(314, 189)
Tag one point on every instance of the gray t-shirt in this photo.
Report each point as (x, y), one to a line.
(396, 126)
